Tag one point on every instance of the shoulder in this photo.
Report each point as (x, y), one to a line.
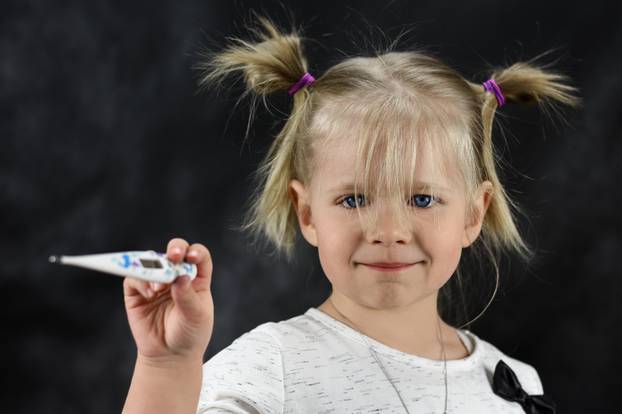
(526, 373)
(248, 375)
(271, 339)
(288, 335)
(259, 340)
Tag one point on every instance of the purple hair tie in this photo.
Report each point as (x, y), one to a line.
(306, 79)
(491, 86)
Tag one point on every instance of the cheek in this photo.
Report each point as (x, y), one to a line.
(336, 230)
(443, 244)
(336, 245)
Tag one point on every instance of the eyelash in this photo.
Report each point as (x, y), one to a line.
(433, 200)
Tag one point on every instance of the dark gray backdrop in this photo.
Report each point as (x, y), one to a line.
(106, 147)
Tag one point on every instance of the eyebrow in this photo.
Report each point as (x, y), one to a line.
(416, 185)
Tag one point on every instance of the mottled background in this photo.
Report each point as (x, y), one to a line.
(107, 146)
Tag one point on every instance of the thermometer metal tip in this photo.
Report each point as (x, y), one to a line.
(54, 259)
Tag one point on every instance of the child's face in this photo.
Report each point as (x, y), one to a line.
(433, 243)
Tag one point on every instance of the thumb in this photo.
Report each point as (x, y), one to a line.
(185, 297)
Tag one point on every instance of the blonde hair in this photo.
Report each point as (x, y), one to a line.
(395, 103)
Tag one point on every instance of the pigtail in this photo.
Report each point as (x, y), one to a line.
(523, 83)
(273, 62)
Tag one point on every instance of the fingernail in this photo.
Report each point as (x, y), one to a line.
(192, 253)
(176, 250)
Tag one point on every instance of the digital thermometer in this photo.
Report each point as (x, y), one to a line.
(149, 265)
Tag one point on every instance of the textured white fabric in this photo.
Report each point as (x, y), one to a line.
(313, 363)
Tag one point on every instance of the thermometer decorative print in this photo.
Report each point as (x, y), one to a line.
(147, 265)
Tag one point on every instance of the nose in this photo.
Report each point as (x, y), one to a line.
(388, 231)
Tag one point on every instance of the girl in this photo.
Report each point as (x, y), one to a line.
(386, 164)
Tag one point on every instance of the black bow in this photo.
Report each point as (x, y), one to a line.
(506, 385)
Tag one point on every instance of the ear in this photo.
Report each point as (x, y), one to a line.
(474, 224)
(300, 199)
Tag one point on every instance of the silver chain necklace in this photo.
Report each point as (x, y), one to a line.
(373, 353)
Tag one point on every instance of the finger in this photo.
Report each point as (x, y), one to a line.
(176, 249)
(156, 287)
(134, 287)
(199, 254)
(186, 299)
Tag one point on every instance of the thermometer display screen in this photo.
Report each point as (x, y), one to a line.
(151, 263)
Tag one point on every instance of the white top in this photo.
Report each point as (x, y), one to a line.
(313, 363)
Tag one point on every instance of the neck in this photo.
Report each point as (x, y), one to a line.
(413, 329)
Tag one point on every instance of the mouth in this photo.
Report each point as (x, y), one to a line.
(389, 267)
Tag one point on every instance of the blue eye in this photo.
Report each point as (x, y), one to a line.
(420, 200)
(352, 204)
(424, 200)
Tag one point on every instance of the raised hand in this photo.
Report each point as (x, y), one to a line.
(173, 321)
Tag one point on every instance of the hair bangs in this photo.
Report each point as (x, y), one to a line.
(393, 134)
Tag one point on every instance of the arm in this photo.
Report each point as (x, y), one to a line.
(164, 387)
(172, 326)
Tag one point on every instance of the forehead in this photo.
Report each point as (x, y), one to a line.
(399, 141)
(335, 166)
